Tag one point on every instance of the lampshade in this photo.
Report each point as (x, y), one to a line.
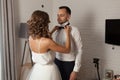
(23, 31)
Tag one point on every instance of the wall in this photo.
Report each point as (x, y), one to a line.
(89, 16)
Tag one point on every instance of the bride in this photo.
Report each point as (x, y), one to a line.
(41, 44)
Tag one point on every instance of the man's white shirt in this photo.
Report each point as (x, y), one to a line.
(76, 47)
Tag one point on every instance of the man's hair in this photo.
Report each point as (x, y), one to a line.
(67, 9)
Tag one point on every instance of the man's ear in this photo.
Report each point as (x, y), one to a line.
(69, 16)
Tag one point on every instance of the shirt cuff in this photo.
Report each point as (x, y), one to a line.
(76, 69)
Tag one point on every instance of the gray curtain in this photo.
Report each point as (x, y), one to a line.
(8, 41)
(0, 45)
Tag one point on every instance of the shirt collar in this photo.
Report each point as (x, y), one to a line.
(63, 25)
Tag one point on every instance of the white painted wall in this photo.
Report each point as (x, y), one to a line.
(89, 16)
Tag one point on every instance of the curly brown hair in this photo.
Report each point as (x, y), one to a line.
(38, 24)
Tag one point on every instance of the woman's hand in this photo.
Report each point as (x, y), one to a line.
(67, 29)
(53, 30)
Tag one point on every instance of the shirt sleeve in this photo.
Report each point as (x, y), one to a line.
(78, 50)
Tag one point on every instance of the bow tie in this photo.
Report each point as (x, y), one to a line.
(61, 27)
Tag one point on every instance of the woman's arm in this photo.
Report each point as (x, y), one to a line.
(59, 48)
(53, 30)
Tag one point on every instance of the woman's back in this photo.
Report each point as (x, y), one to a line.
(40, 45)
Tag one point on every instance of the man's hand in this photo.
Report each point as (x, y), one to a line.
(73, 76)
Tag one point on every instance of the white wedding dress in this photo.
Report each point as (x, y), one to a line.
(44, 67)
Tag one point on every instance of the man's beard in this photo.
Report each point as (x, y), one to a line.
(61, 22)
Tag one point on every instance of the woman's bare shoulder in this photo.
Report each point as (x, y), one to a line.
(46, 40)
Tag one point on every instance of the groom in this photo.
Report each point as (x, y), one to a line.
(68, 64)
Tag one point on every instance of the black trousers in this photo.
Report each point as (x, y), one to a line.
(65, 68)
